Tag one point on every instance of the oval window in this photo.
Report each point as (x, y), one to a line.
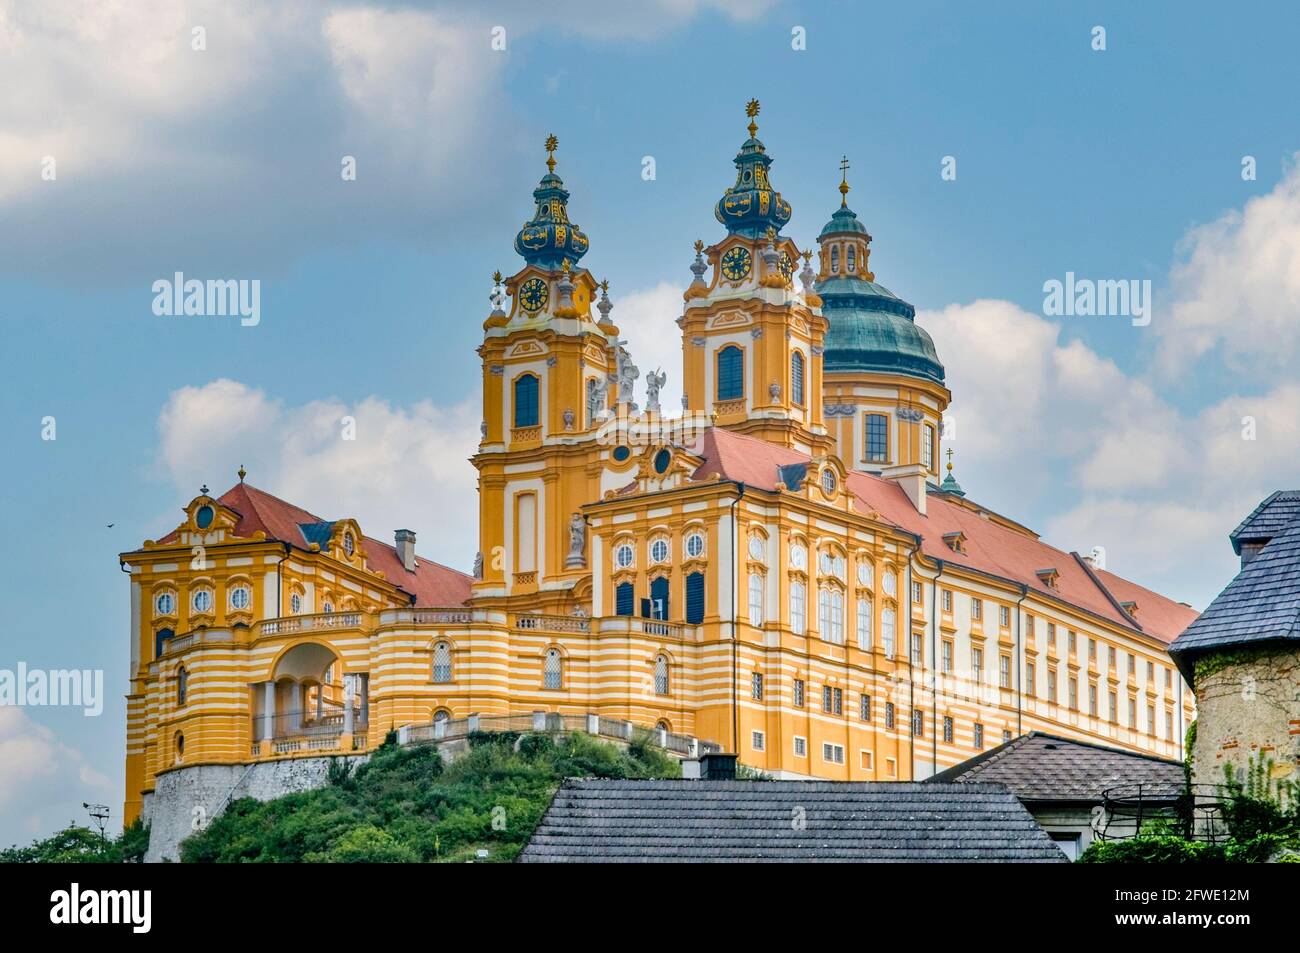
(203, 518)
(662, 459)
(623, 556)
(202, 601)
(621, 453)
(239, 597)
(165, 603)
(694, 545)
(828, 481)
(659, 550)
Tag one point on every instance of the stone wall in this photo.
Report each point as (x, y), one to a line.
(1248, 706)
(186, 799)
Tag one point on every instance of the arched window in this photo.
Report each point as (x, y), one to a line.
(159, 640)
(659, 598)
(755, 598)
(695, 598)
(835, 259)
(796, 377)
(441, 715)
(526, 407)
(623, 599)
(182, 685)
(831, 616)
(442, 662)
(661, 675)
(553, 671)
(798, 607)
(887, 631)
(864, 624)
(179, 742)
(731, 373)
(851, 260)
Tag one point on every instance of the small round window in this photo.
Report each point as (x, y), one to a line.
(659, 550)
(203, 518)
(239, 597)
(621, 453)
(694, 545)
(295, 603)
(165, 604)
(623, 556)
(349, 544)
(828, 481)
(201, 601)
(662, 459)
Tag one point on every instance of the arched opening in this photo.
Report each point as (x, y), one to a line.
(178, 744)
(309, 696)
(731, 373)
(527, 411)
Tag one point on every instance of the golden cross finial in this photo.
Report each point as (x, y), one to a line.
(950, 459)
(844, 182)
(551, 145)
(751, 110)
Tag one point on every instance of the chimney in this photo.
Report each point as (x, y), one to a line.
(406, 548)
(912, 478)
(718, 767)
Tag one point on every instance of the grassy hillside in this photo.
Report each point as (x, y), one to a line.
(405, 805)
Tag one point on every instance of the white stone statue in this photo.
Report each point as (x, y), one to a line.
(577, 557)
(627, 373)
(653, 382)
(596, 389)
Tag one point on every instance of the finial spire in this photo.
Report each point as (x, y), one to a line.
(551, 145)
(950, 484)
(242, 473)
(844, 182)
(751, 110)
(950, 459)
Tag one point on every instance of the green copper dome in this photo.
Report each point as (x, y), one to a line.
(751, 206)
(549, 239)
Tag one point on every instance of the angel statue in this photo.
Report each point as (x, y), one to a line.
(653, 382)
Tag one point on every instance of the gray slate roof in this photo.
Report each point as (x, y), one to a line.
(735, 821)
(1262, 604)
(1039, 767)
(1276, 513)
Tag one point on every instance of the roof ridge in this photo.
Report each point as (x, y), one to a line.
(1124, 613)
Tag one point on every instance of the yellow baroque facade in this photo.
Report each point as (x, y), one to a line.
(777, 570)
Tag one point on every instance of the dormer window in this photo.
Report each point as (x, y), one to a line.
(203, 516)
(1130, 607)
(828, 481)
(956, 541)
(1048, 577)
(349, 544)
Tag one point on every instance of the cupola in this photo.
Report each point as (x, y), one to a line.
(549, 239)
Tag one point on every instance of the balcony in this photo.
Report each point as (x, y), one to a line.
(554, 723)
(306, 732)
(322, 621)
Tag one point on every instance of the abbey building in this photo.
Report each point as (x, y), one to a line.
(775, 568)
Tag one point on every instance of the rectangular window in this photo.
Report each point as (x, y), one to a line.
(800, 747)
(918, 722)
(887, 631)
(1074, 693)
(866, 759)
(1051, 635)
(1092, 648)
(917, 596)
(877, 438)
(916, 649)
(837, 701)
(1004, 617)
(1029, 627)
(1112, 707)
(889, 714)
(1133, 713)
(947, 729)
(864, 624)
(976, 609)
(1169, 725)
(1132, 664)
(1030, 672)
(694, 598)
(798, 608)
(1092, 700)
(1071, 641)
(731, 373)
(1151, 720)
(1169, 678)
(891, 767)
(755, 599)
(1051, 685)
(864, 707)
(834, 754)
(977, 665)
(1006, 735)
(979, 735)
(798, 693)
(1110, 656)
(947, 655)
(756, 741)
(927, 448)
(826, 698)
(756, 686)
(947, 600)
(832, 616)
(1151, 671)
(1004, 671)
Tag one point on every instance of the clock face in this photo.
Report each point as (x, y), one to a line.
(736, 264)
(787, 265)
(533, 294)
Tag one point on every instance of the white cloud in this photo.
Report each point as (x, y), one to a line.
(646, 319)
(44, 781)
(1236, 289)
(407, 468)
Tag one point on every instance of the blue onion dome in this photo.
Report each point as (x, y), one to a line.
(870, 329)
(549, 238)
(752, 206)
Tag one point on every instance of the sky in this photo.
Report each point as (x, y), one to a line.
(127, 155)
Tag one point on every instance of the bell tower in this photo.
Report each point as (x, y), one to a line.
(752, 344)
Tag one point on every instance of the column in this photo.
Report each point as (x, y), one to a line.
(320, 702)
(268, 710)
(365, 697)
(347, 704)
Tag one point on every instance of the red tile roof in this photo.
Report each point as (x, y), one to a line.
(991, 547)
(431, 583)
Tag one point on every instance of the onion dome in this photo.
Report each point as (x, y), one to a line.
(549, 238)
(870, 329)
(950, 484)
(751, 206)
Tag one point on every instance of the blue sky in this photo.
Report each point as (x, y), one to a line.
(1117, 164)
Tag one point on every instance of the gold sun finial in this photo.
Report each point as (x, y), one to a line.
(751, 110)
(699, 245)
(604, 286)
(496, 277)
(844, 182)
(551, 145)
